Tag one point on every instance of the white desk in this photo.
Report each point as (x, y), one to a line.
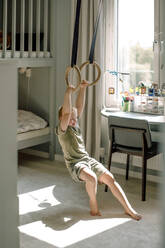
(156, 122)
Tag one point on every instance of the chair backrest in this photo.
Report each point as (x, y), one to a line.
(124, 137)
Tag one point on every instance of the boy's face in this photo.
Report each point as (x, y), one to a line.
(73, 118)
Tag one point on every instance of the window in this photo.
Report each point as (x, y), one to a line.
(130, 34)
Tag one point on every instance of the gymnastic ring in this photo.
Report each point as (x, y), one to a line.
(68, 69)
(98, 69)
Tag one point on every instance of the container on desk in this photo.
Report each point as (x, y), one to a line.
(155, 105)
(151, 91)
(131, 106)
(125, 106)
(143, 90)
(149, 104)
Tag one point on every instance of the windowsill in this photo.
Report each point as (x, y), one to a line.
(112, 109)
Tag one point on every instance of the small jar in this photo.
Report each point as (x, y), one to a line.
(143, 90)
(151, 91)
(131, 106)
(125, 106)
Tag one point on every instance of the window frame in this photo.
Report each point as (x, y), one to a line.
(111, 37)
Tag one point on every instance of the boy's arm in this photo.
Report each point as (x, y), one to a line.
(66, 109)
(80, 101)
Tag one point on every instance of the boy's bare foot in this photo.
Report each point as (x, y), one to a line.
(134, 215)
(94, 208)
(95, 213)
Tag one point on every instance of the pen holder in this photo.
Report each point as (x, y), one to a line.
(125, 106)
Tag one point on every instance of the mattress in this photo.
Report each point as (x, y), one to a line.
(33, 134)
(28, 121)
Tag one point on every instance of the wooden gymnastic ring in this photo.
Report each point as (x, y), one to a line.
(68, 69)
(98, 69)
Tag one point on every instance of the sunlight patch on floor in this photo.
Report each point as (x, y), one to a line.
(81, 230)
(37, 200)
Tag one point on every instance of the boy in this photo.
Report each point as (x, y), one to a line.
(80, 165)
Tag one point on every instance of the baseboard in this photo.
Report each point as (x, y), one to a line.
(57, 157)
(35, 153)
(135, 171)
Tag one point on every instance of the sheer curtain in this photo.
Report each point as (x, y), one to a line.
(91, 119)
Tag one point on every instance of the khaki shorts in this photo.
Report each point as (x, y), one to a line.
(91, 163)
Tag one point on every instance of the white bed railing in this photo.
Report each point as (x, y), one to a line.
(29, 34)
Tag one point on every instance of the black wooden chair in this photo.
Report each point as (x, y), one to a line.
(132, 137)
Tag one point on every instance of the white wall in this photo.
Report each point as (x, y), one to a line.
(8, 157)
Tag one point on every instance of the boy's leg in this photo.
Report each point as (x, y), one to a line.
(91, 187)
(117, 191)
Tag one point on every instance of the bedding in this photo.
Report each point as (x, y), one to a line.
(28, 121)
(33, 134)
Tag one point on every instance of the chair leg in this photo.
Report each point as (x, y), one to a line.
(144, 169)
(109, 164)
(127, 166)
(163, 157)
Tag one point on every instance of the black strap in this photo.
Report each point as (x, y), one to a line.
(91, 54)
(76, 34)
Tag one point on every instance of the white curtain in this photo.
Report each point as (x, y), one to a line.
(91, 118)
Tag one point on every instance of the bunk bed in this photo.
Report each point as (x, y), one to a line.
(27, 39)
